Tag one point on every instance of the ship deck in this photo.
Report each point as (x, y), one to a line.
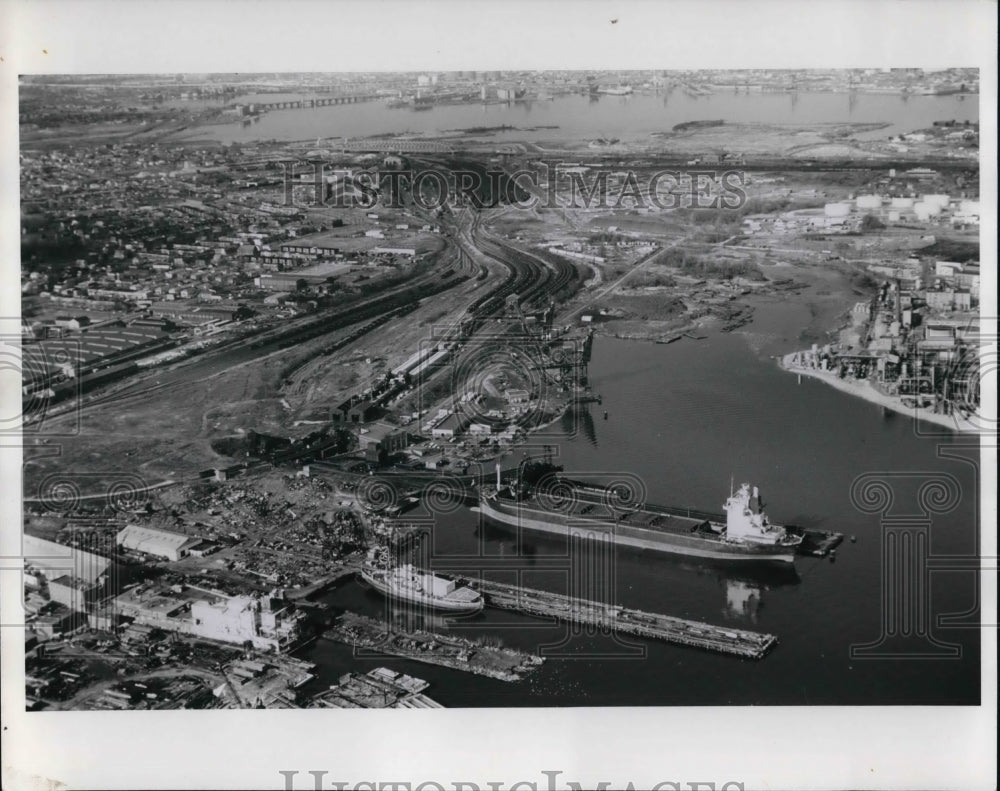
(645, 518)
(462, 595)
(590, 501)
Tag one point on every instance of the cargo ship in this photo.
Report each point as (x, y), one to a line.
(569, 508)
(406, 583)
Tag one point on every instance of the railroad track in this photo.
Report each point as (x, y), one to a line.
(267, 342)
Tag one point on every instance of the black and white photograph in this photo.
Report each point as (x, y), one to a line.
(622, 385)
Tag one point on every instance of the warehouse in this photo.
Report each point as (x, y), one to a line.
(312, 276)
(55, 560)
(158, 543)
(72, 592)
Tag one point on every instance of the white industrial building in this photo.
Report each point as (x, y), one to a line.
(268, 624)
(55, 560)
(158, 543)
(842, 209)
(72, 592)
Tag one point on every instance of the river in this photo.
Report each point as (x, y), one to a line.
(684, 418)
(580, 117)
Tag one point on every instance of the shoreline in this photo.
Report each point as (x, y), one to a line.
(866, 392)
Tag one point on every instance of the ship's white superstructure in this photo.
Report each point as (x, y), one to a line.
(407, 583)
(746, 520)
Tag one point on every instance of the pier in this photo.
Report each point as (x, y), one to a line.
(818, 543)
(457, 653)
(694, 634)
(347, 570)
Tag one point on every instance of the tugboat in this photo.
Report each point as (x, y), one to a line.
(407, 583)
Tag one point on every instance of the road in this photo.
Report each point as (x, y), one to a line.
(635, 268)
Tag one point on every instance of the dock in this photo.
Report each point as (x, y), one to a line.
(818, 543)
(341, 573)
(694, 634)
(381, 688)
(457, 653)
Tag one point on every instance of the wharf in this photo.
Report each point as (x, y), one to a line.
(737, 642)
(457, 653)
(381, 688)
(348, 570)
(818, 543)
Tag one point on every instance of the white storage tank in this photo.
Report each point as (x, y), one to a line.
(837, 209)
(937, 200)
(925, 211)
(902, 203)
(869, 202)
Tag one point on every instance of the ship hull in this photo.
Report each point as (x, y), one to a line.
(422, 600)
(521, 515)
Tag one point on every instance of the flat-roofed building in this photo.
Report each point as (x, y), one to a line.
(267, 623)
(450, 427)
(517, 396)
(154, 607)
(312, 276)
(380, 440)
(56, 560)
(72, 592)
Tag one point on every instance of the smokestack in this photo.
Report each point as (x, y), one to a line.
(498, 476)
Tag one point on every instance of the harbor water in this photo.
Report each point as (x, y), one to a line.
(685, 419)
(576, 116)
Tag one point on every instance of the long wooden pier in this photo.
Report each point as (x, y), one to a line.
(695, 634)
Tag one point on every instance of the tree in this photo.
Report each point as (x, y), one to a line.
(871, 223)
